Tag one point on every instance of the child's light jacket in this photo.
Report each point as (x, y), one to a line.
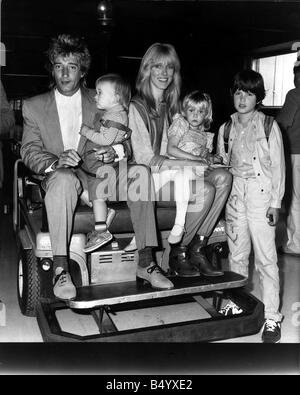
(268, 157)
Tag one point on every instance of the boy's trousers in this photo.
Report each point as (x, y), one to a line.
(246, 221)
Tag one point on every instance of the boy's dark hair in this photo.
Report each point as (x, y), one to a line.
(249, 81)
(66, 45)
(121, 85)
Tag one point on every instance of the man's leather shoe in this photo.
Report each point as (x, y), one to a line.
(63, 286)
(154, 275)
(198, 258)
(179, 262)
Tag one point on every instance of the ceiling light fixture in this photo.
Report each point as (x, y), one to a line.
(105, 13)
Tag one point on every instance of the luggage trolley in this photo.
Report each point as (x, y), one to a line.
(105, 279)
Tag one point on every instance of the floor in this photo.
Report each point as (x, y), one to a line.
(16, 328)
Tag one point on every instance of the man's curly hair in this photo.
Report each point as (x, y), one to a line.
(65, 45)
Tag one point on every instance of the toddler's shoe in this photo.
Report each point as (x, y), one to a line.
(111, 213)
(84, 197)
(231, 309)
(96, 240)
(176, 234)
(63, 286)
(271, 332)
(131, 246)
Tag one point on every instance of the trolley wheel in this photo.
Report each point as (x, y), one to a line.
(28, 282)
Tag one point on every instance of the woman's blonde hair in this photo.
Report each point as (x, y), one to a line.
(155, 54)
(199, 99)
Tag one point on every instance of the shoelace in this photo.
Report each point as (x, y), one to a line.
(61, 278)
(157, 269)
(270, 325)
(231, 307)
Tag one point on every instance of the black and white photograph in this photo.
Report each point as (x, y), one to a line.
(150, 189)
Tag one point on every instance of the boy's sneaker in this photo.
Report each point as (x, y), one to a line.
(63, 286)
(231, 309)
(96, 240)
(271, 332)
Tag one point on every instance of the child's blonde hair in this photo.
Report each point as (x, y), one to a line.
(199, 99)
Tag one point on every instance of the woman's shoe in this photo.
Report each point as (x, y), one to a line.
(154, 275)
(176, 234)
(180, 264)
(131, 246)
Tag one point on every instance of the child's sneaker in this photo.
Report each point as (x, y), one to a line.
(271, 332)
(96, 240)
(131, 246)
(231, 309)
(176, 234)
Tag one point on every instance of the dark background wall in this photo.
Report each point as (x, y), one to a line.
(214, 39)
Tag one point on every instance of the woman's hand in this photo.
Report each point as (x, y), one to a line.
(217, 159)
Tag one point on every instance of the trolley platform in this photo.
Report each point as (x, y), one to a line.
(104, 302)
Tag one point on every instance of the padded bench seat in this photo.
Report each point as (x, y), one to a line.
(84, 221)
(84, 218)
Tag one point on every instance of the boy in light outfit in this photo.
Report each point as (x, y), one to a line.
(252, 210)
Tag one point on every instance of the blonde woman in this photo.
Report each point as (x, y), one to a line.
(158, 88)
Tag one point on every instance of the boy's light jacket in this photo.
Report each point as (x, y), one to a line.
(268, 157)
